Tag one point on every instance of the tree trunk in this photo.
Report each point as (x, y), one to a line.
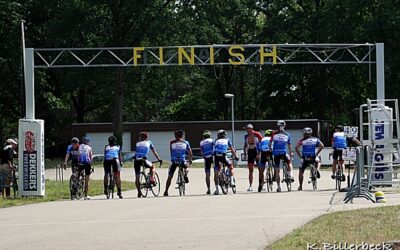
(118, 105)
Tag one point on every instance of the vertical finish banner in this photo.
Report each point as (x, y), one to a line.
(31, 158)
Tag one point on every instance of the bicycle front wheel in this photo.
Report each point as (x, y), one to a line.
(144, 185)
(269, 179)
(72, 187)
(155, 187)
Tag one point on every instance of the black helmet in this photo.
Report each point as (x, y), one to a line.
(85, 139)
(74, 140)
(339, 127)
(221, 133)
(112, 140)
(179, 133)
(206, 134)
(143, 135)
(307, 131)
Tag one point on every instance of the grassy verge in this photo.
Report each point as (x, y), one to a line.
(56, 190)
(371, 225)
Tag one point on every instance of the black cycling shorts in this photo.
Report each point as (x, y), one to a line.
(141, 162)
(251, 155)
(337, 154)
(221, 159)
(265, 156)
(107, 166)
(173, 167)
(277, 159)
(86, 167)
(307, 161)
(207, 164)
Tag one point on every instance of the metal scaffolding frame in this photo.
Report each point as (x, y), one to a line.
(201, 55)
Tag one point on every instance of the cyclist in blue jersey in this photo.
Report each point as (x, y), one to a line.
(265, 157)
(221, 147)
(339, 143)
(143, 148)
(281, 150)
(112, 159)
(72, 154)
(85, 159)
(207, 151)
(308, 155)
(179, 149)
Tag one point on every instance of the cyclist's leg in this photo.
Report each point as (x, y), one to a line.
(117, 176)
(171, 172)
(88, 169)
(152, 169)
(136, 165)
(288, 160)
(228, 163)
(261, 169)
(277, 176)
(251, 157)
(302, 168)
(217, 168)
(107, 172)
(207, 169)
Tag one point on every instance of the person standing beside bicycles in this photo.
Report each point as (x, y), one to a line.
(72, 154)
(179, 148)
(143, 148)
(112, 159)
(281, 149)
(250, 149)
(7, 166)
(308, 155)
(207, 151)
(265, 157)
(339, 143)
(221, 147)
(85, 159)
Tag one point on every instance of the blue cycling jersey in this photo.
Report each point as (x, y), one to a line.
(143, 148)
(309, 145)
(73, 152)
(111, 152)
(264, 144)
(339, 140)
(279, 142)
(84, 154)
(221, 145)
(179, 150)
(207, 147)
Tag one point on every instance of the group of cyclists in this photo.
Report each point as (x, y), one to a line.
(260, 151)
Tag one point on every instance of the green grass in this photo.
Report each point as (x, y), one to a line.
(371, 225)
(56, 190)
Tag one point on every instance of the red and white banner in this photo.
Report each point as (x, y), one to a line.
(31, 158)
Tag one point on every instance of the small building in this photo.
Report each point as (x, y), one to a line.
(160, 133)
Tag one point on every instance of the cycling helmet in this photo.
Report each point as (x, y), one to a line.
(85, 139)
(112, 140)
(281, 123)
(221, 133)
(339, 127)
(268, 132)
(179, 133)
(249, 126)
(206, 134)
(307, 131)
(74, 140)
(143, 135)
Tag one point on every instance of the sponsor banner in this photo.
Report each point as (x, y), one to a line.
(382, 134)
(31, 157)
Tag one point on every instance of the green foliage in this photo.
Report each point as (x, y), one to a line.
(193, 93)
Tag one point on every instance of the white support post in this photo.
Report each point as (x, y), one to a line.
(233, 122)
(29, 84)
(380, 71)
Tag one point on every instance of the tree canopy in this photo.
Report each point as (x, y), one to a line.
(192, 93)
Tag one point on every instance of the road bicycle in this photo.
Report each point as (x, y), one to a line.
(310, 162)
(286, 173)
(339, 175)
(145, 177)
(225, 179)
(269, 175)
(77, 183)
(181, 183)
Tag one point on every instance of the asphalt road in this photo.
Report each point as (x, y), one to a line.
(196, 221)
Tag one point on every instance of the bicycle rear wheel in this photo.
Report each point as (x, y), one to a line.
(144, 185)
(110, 187)
(80, 187)
(314, 177)
(234, 186)
(181, 182)
(223, 182)
(72, 187)
(155, 188)
(269, 179)
(338, 180)
(286, 177)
